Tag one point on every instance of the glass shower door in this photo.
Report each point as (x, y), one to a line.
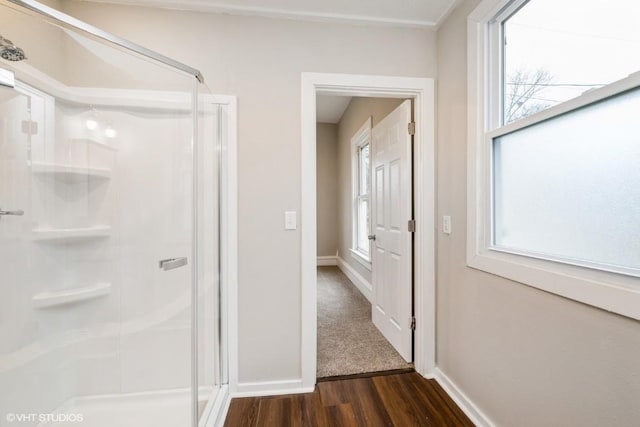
(14, 252)
(96, 255)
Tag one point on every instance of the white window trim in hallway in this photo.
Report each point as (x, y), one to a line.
(422, 91)
(589, 284)
(361, 138)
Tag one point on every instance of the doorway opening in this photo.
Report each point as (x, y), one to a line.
(364, 245)
(421, 92)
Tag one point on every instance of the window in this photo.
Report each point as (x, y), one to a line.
(360, 151)
(554, 147)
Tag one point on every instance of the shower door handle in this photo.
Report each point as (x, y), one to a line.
(171, 263)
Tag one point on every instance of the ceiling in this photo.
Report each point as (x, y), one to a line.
(330, 108)
(407, 13)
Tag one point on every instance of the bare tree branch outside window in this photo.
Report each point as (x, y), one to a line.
(522, 93)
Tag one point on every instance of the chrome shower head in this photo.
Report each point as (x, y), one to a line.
(10, 52)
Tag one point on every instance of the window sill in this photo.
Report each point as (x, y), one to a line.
(609, 291)
(362, 259)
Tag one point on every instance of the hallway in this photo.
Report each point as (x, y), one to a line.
(348, 342)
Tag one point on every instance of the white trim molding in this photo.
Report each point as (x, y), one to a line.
(286, 13)
(610, 291)
(324, 261)
(422, 91)
(366, 263)
(356, 278)
(474, 413)
(271, 388)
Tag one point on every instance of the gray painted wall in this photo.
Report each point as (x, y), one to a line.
(327, 188)
(524, 356)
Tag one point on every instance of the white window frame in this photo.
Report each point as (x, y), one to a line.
(612, 291)
(361, 138)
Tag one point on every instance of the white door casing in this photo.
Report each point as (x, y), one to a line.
(391, 190)
(422, 92)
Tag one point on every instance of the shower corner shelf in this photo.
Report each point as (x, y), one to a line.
(65, 234)
(68, 173)
(67, 296)
(94, 143)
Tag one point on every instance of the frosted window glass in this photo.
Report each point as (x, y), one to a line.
(569, 188)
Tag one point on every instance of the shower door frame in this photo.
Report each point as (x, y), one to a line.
(228, 234)
(49, 12)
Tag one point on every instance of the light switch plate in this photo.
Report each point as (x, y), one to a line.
(290, 220)
(446, 224)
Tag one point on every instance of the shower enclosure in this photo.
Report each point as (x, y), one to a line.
(109, 230)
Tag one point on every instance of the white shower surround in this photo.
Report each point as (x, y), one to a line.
(120, 334)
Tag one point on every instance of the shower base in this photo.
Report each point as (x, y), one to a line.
(154, 409)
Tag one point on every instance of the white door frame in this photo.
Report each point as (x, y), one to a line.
(422, 91)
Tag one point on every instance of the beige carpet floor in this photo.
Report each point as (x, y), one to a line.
(348, 341)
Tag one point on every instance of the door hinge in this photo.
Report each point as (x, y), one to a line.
(412, 128)
(412, 226)
(413, 323)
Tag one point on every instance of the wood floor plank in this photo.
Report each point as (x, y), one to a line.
(342, 415)
(446, 400)
(314, 414)
(242, 412)
(283, 411)
(402, 400)
(369, 407)
(443, 410)
(400, 403)
(423, 399)
(361, 393)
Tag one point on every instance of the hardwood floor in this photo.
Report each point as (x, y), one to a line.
(401, 400)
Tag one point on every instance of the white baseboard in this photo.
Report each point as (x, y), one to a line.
(361, 283)
(271, 388)
(327, 260)
(468, 407)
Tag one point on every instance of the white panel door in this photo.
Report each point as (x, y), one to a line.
(391, 210)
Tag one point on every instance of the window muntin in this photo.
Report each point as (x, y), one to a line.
(568, 188)
(555, 51)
